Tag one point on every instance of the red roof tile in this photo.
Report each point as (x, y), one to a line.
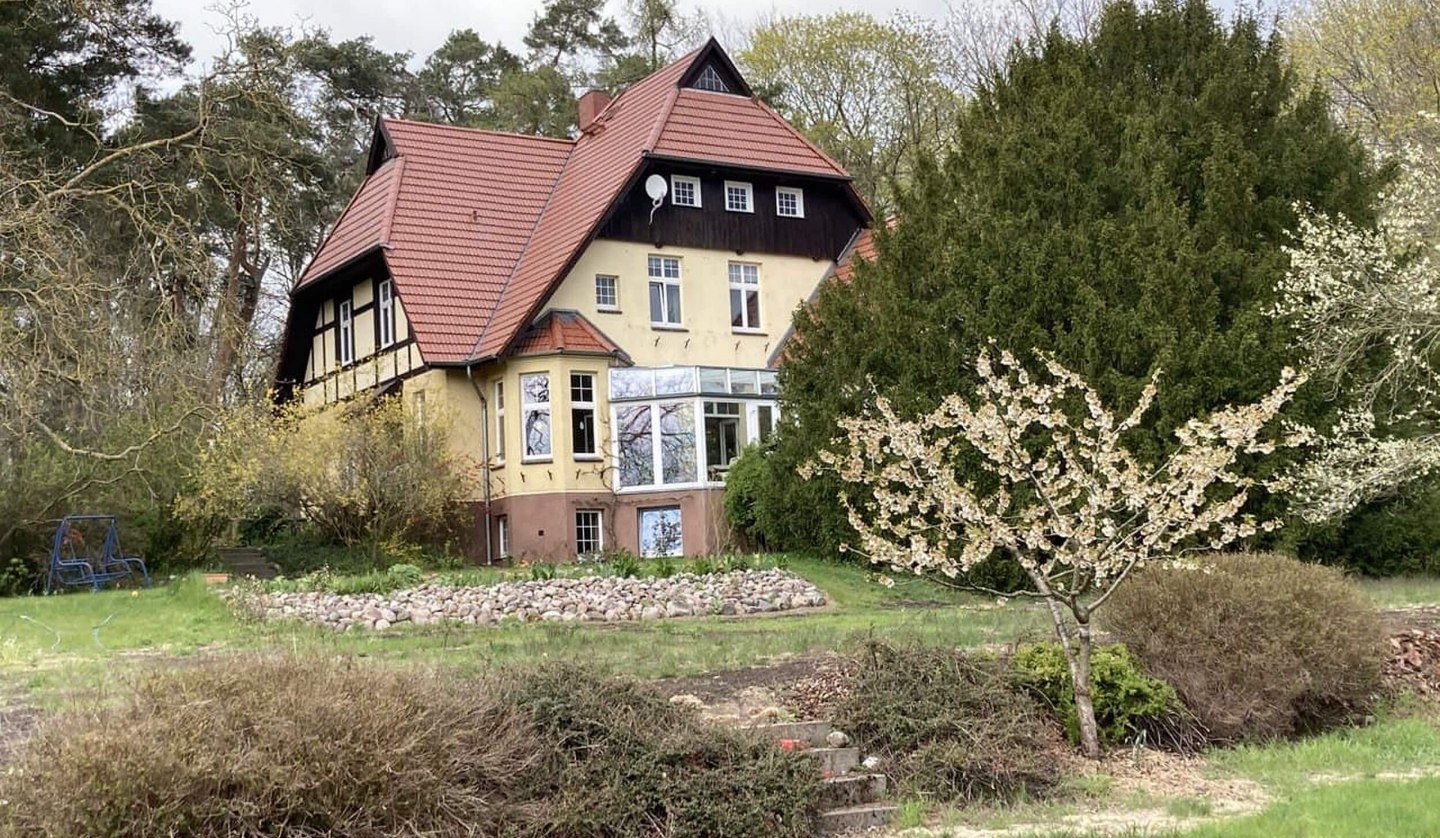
(477, 227)
(863, 248)
(564, 331)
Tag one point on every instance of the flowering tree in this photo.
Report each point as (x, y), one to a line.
(1365, 304)
(1063, 496)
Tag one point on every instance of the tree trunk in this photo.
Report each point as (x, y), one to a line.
(1084, 705)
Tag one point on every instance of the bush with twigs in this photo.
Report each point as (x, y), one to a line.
(950, 725)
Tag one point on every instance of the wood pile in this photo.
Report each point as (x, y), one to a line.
(1414, 662)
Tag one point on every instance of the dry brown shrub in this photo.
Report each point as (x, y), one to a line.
(1258, 646)
(276, 746)
(950, 725)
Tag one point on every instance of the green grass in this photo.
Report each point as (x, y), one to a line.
(51, 644)
(1390, 745)
(1359, 809)
(1403, 590)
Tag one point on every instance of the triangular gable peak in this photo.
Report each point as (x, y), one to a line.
(712, 70)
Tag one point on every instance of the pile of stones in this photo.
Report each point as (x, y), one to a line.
(585, 599)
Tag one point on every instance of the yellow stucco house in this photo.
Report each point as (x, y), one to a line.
(601, 315)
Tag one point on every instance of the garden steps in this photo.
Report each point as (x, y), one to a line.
(247, 561)
(851, 800)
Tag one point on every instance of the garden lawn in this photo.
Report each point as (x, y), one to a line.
(1358, 809)
(62, 646)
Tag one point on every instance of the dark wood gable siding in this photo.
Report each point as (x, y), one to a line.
(830, 215)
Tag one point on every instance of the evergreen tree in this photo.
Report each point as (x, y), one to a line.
(1121, 201)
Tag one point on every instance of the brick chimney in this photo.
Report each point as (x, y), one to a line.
(590, 106)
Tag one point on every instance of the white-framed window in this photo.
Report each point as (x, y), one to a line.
(385, 312)
(684, 191)
(739, 196)
(724, 434)
(500, 421)
(589, 534)
(661, 532)
(582, 416)
(744, 296)
(664, 274)
(607, 292)
(502, 527)
(535, 416)
(789, 202)
(346, 345)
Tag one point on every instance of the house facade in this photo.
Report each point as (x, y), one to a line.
(601, 317)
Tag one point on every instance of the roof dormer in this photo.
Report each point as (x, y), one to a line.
(713, 70)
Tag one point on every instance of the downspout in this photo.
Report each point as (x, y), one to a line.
(485, 456)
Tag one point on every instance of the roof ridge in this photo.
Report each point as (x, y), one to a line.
(470, 129)
(662, 119)
(391, 200)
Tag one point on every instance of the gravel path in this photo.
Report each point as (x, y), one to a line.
(586, 599)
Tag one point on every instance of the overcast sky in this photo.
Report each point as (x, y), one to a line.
(419, 26)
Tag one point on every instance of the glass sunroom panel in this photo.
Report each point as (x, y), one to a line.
(714, 381)
(677, 441)
(631, 383)
(637, 452)
(769, 383)
(743, 382)
(674, 381)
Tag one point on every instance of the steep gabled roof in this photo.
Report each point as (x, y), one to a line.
(478, 227)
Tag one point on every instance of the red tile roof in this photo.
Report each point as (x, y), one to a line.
(565, 331)
(477, 227)
(863, 248)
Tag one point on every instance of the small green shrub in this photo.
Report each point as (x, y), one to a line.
(664, 567)
(952, 725)
(543, 572)
(737, 563)
(1257, 646)
(404, 575)
(702, 566)
(1127, 701)
(747, 489)
(18, 576)
(623, 563)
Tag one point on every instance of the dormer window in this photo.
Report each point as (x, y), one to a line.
(739, 196)
(711, 81)
(684, 191)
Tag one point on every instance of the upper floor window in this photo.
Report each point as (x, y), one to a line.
(582, 415)
(664, 290)
(346, 345)
(607, 292)
(385, 311)
(789, 202)
(535, 415)
(684, 191)
(710, 80)
(744, 296)
(739, 196)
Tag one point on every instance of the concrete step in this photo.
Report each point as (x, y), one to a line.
(836, 761)
(852, 790)
(856, 818)
(808, 734)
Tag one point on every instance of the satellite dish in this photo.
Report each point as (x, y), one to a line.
(656, 187)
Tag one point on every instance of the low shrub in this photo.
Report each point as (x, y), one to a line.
(950, 725)
(1128, 702)
(269, 747)
(625, 761)
(312, 747)
(1257, 646)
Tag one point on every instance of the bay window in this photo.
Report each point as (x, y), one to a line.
(582, 416)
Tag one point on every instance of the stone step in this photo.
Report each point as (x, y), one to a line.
(856, 818)
(836, 761)
(808, 734)
(852, 790)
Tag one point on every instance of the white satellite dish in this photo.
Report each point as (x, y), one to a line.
(656, 188)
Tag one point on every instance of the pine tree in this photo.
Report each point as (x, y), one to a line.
(1121, 201)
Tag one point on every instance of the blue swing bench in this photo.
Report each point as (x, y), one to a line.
(71, 567)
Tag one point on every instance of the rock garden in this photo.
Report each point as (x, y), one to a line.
(585, 599)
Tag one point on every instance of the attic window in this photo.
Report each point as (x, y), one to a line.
(711, 81)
